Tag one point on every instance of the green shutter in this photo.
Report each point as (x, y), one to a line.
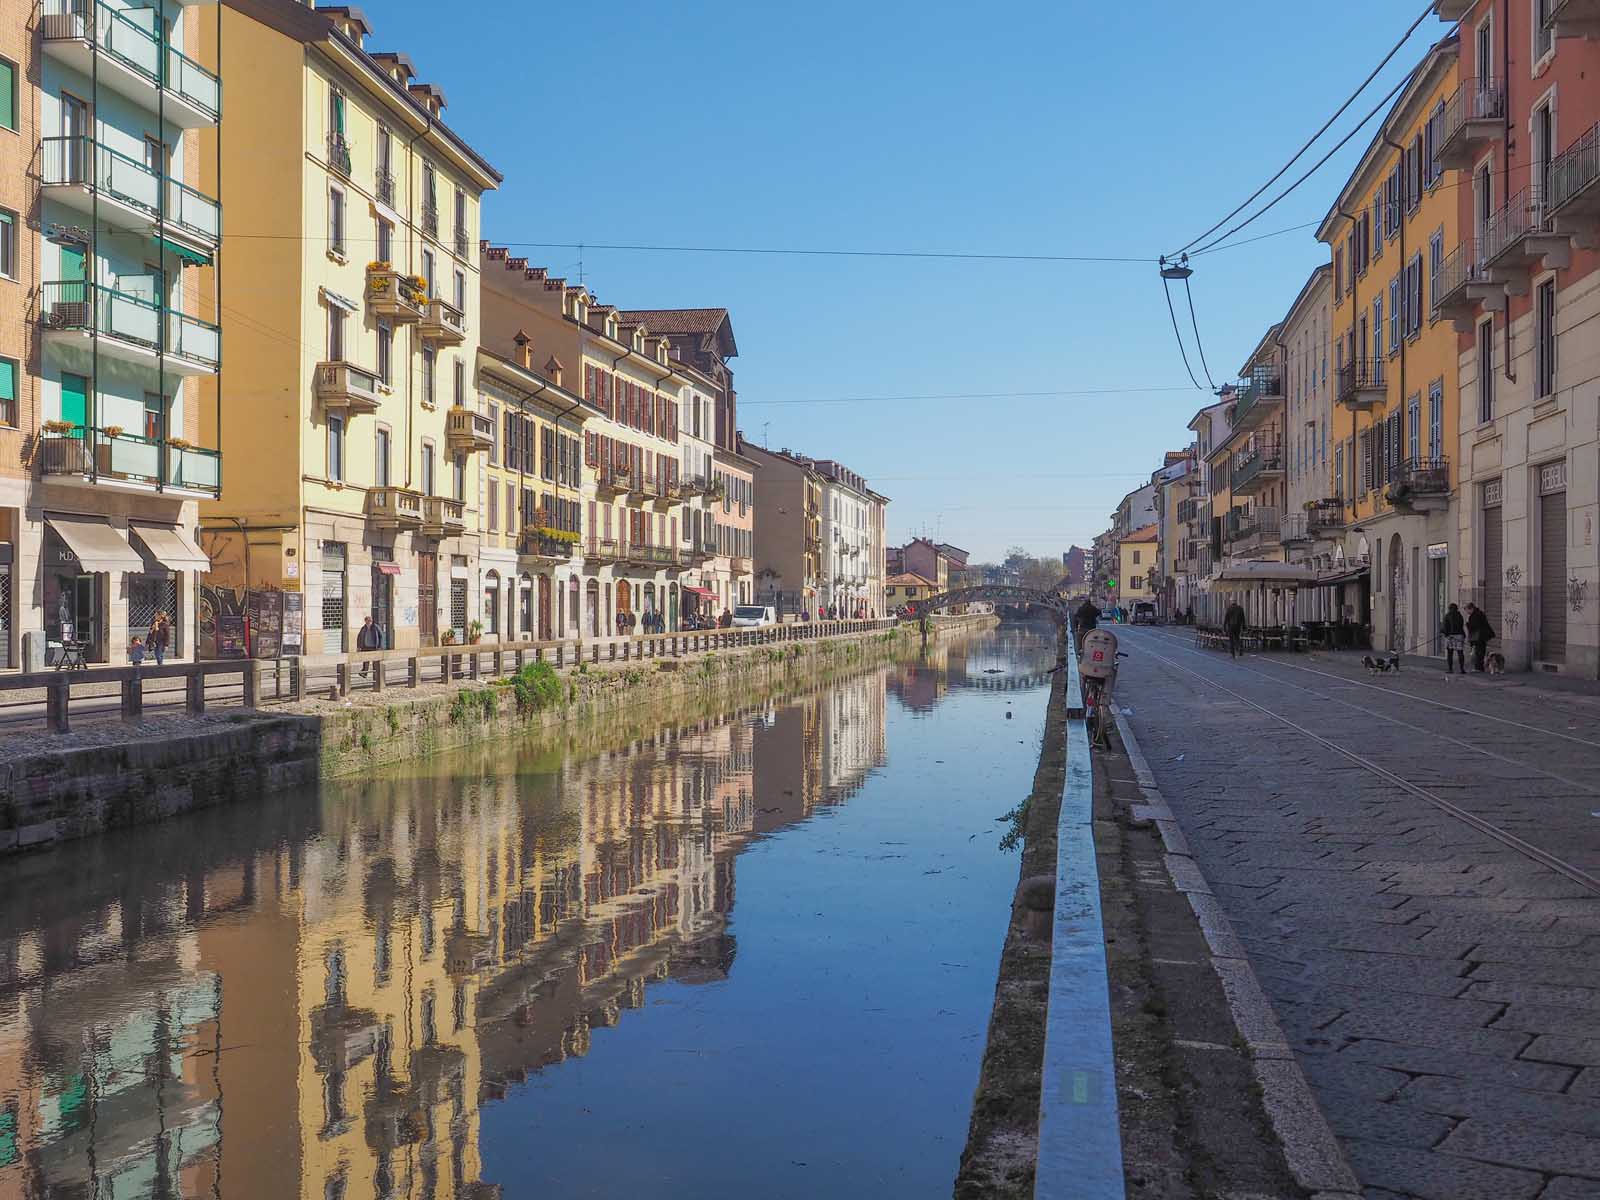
(74, 400)
(8, 94)
(8, 381)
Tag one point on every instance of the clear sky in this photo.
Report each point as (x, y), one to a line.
(1058, 129)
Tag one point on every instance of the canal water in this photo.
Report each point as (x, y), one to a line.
(749, 955)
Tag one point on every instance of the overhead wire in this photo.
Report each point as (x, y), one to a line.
(1195, 321)
(1328, 124)
(1166, 287)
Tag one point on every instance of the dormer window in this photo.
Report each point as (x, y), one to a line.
(638, 342)
(611, 328)
(580, 311)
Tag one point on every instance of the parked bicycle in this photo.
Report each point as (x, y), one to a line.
(1097, 667)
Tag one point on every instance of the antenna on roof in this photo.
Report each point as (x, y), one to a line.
(580, 264)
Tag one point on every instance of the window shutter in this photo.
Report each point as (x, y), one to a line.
(589, 453)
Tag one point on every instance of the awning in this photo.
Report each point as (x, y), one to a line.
(189, 257)
(1272, 574)
(1348, 575)
(338, 301)
(170, 548)
(98, 546)
(694, 591)
(387, 568)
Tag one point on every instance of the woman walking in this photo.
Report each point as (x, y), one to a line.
(160, 637)
(1454, 629)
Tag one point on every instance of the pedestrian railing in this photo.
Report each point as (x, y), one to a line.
(54, 696)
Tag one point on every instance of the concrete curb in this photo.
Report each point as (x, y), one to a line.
(1310, 1148)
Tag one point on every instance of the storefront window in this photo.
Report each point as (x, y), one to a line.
(72, 601)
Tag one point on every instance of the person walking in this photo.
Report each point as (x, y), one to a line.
(368, 639)
(1454, 629)
(1233, 622)
(1084, 618)
(1480, 633)
(160, 637)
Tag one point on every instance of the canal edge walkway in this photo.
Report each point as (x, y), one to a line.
(1310, 1148)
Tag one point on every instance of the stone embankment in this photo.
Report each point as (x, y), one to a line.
(167, 766)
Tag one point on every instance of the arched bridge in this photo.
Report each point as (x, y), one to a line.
(994, 593)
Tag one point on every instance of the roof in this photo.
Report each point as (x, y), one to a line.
(909, 579)
(1145, 534)
(700, 322)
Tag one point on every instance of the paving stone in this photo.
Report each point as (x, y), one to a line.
(1354, 1116)
(1544, 1018)
(1468, 1098)
(1521, 1145)
(1430, 1176)
(1504, 1043)
(1568, 1187)
(1587, 1083)
(1430, 1060)
(1390, 939)
(1534, 993)
(1578, 1051)
(1403, 1006)
(1555, 974)
(1336, 1073)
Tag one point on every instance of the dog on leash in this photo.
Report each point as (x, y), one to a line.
(1382, 664)
(1495, 663)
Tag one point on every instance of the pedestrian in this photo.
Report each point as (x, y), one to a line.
(1188, 615)
(368, 639)
(1233, 622)
(1480, 633)
(1454, 629)
(1085, 618)
(160, 638)
(136, 652)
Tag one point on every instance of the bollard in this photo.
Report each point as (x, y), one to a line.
(132, 697)
(413, 671)
(252, 684)
(561, 657)
(472, 665)
(297, 678)
(378, 681)
(195, 685)
(56, 701)
(341, 676)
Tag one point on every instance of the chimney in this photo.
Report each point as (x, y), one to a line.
(524, 351)
(553, 370)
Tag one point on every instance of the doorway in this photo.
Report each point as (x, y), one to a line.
(544, 609)
(428, 597)
(1397, 596)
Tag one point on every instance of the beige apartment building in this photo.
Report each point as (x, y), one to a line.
(788, 530)
(350, 428)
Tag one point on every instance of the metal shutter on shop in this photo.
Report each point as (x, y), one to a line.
(1493, 565)
(1553, 576)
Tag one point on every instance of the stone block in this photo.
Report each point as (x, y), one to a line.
(1426, 1175)
(1522, 1145)
(1555, 1048)
(1431, 1060)
(1473, 1098)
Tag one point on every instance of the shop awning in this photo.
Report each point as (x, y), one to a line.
(338, 301)
(1272, 574)
(98, 546)
(707, 592)
(189, 257)
(170, 548)
(387, 568)
(1345, 575)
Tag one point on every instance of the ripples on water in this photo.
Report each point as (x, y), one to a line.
(511, 971)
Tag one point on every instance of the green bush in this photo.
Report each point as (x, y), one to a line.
(537, 687)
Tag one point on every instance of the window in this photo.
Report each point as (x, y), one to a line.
(385, 351)
(494, 436)
(1435, 266)
(335, 112)
(494, 508)
(1417, 174)
(8, 391)
(1544, 152)
(385, 241)
(429, 371)
(1436, 420)
(459, 295)
(1544, 40)
(8, 243)
(385, 163)
(458, 477)
(380, 457)
(427, 468)
(1544, 315)
(1377, 327)
(335, 333)
(461, 214)
(1414, 426)
(8, 94)
(1338, 271)
(1395, 314)
(336, 221)
(460, 400)
(1483, 194)
(155, 416)
(430, 200)
(1414, 296)
(1486, 371)
(335, 447)
(1136, 554)
(428, 272)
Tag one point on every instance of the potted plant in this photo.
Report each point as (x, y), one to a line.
(448, 638)
(475, 632)
(179, 443)
(380, 264)
(59, 427)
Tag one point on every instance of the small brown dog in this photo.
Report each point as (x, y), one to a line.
(1495, 663)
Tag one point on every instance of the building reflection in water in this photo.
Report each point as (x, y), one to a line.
(316, 997)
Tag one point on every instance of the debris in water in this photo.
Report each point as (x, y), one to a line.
(1180, 758)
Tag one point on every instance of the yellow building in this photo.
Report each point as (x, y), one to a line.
(531, 495)
(353, 220)
(1138, 554)
(1396, 361)
(908, 588)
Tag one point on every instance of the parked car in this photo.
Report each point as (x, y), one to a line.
(1144, 613)
(753, 616)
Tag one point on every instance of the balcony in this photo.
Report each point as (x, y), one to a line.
(1253, 531)
(430, 218)
(1420, 484)
(1575, 186)
(383, 186)
(1463, 283)
(400, 298)
(132, 61)
(613, 481)
(1324, 518)
(667, 494)
(468, 431)
(1474, 120)
(460, 242)
(394, 508)
(1574, 18)
(1453, 10)
(443, 517)
(1257, 466)
(669, 557)
(343, 387)
(546, 544)
(600, 551)
(1259, 399)
(110, 458)
(1519, 240)
(86, 318)
(739, 564)
(1361, 383)
(442, 323)
(1294, 528)
(120, 191)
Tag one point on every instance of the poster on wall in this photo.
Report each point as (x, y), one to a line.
(230, 636)
(264, 610)
(293, 627)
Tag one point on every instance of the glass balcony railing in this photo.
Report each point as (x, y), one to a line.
(83, 162)
(111, 32)
(112, 455)
(133, 320)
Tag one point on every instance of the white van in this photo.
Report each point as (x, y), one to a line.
(753, 616)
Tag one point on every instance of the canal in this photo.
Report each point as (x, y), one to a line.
(744, 955)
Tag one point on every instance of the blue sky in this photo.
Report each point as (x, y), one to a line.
(1115, 130)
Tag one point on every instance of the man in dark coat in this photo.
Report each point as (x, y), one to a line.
(1480, 633)
(1233, 622)
(1454, 629)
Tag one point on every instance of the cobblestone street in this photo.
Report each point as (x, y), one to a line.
(1410, 862)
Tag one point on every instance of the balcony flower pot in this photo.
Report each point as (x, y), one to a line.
(475, 632)
(112, 431)
(59, 427)
(180, 443)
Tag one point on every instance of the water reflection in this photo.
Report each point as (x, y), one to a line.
(319, 997)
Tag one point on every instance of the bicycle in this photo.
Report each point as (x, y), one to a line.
(1097, 667)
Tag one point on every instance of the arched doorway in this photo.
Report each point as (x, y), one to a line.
(624, 596)
(1397, 595)
(525, 606)
(672, 608)
(649, 598)
(593, 596)
(544, 609)
(491, 604)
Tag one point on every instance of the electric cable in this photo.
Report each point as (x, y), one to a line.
(1195, 321)
(1166, 287)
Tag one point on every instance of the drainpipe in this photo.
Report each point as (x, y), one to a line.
(1355, 319)
(1405, 283)
(411, 251)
